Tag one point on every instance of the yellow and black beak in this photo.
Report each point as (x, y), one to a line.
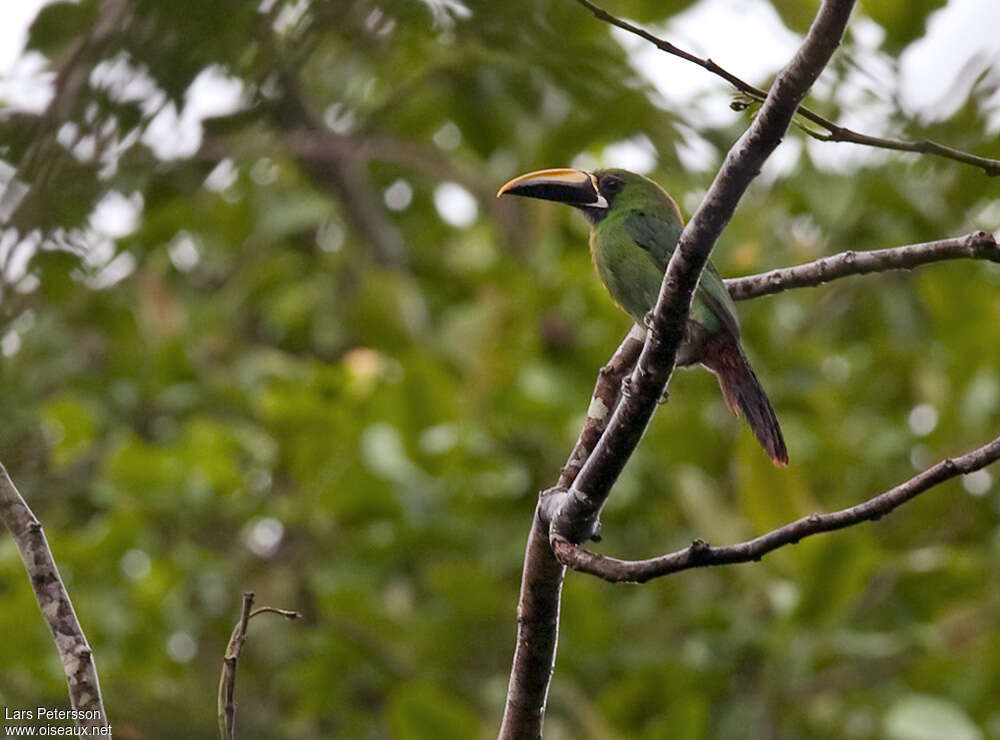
(573, 187)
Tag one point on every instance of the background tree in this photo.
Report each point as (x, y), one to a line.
(301, 350)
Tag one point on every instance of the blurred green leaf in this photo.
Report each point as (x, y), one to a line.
(922, 717)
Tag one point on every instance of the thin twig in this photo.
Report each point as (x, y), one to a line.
(57, 609)
(227, 681)
(977, 245)
(700, 554)
(834, 131)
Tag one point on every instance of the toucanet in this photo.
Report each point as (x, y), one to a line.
(635, 225)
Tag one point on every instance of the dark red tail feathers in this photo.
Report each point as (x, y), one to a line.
(742, 392)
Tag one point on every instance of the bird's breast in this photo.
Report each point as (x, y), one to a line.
(627, 271)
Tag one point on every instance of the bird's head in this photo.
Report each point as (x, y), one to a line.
(597, 193)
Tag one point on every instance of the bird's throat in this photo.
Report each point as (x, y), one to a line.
(594, 215)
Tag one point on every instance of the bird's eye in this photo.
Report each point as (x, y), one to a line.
(611, 185)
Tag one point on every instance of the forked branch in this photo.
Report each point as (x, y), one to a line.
(700, 554)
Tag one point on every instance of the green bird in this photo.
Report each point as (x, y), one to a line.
(635, 225)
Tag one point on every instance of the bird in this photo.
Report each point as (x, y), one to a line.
(634, 228)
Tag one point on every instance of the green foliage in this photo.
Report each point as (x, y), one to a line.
(264, 400)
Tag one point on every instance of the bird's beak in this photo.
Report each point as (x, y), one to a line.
(573, 187)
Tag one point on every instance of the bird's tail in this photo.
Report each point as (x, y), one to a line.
(743, 392)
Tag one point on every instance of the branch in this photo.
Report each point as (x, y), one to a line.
(604, 400)
(227, 681)
(573, 510)
(53, 600)
(541, 581)
(834, 132)
(700, 554)
(977, 245)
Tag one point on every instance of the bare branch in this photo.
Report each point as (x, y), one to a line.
(603, 402)
(700, 554)
(53, 600)
(977, 245)
(541, 583)
(834, 131)
(227, 681)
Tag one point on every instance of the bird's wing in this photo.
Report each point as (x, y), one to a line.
(659, 237)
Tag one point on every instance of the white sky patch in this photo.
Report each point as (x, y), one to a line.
(115, 271)
(172, 134)
(25, 79)
(398, 196)
(27, 85)
(331, 236)
(923, 419)
(446, 12)
(782, 161)
(448, 137)
(222, 177)
(183, 252)
(263, 536)
(181, 647)
(339, 119)
(694, 151)
(16, 252)
(12, 191)
(135, 564)
(585, 161)
(17, 16)
(116, 215)
(289, 15)
(264, 171)
(455, 205)
(10, 345)
(930, 66)
(637, 154)
(978, 483)
(126, 82)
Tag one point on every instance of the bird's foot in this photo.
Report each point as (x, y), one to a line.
(664, 397)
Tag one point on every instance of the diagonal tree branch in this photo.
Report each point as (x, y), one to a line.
(977, 245)
(834, 131)
(700, 554)
(53, 600)
(541, 581)
(573, 512)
